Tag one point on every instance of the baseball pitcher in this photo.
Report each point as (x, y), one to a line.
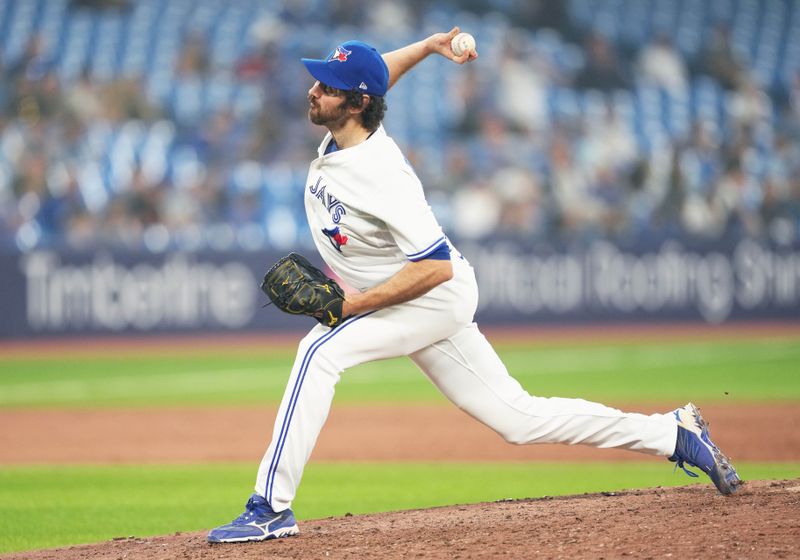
(416, 297)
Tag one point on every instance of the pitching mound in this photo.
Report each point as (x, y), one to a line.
(761, 521)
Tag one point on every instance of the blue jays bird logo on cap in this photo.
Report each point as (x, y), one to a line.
(340, 54)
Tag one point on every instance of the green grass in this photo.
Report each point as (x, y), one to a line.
(709, 371)
(56, 506)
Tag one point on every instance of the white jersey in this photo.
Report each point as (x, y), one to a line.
(367, 212)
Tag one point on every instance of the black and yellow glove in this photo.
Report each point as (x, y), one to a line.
(296, 286)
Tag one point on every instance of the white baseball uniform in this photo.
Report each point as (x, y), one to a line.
(369, 217)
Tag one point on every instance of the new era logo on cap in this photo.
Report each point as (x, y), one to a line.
(352, 66)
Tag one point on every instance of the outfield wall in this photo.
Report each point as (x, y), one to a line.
(56, 294)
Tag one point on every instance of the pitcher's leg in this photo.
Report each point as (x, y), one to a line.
(322, 355)
(313, 380)
(467, 371)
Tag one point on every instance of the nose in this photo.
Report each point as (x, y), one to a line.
(315, 90)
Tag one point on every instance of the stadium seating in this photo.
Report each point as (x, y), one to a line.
(145, 42)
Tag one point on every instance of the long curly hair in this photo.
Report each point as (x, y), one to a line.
(373, 113)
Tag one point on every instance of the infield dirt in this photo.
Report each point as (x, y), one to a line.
(352, 433)
(761, 521)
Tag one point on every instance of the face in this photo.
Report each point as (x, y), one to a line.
(327, 106)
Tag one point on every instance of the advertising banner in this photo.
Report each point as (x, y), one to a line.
(603, 282)
(46, 293)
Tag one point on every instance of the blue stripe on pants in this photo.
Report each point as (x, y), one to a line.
(298, 385)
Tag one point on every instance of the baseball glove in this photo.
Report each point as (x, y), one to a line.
(296, 286)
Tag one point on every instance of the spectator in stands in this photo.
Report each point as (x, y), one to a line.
(720, 61)
(781, 186)
(123, 100)
(661, 65)
(749, 105)
(577, 211)
(63, 209)
(740, 198)
(668, 214)
(602, 68)
(523, 79)
(496, 146)
(523, 208)
(701, 216)
(458, 168)
(701, 160)
(468, 102)
(389, 19)
(193, 58)
(701, 166)
(609, 141)
(647, 183)
(39, 100)
(260, 61)
(476, 210)
(82, 99)
(780, 218)
(143, 200)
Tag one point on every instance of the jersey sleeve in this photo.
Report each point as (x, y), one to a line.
(409, 218)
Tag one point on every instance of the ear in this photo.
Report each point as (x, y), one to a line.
(365, 99)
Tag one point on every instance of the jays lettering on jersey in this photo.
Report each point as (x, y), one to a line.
(367, 211)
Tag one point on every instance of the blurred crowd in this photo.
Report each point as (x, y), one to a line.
(594, 175)
(557, 132)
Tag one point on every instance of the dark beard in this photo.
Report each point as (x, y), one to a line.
(332, 119)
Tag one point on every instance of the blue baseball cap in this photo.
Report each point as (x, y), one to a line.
(352, 65)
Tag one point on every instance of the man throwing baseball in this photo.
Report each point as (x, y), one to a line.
(416, 297)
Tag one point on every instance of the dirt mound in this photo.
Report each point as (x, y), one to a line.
(761, 521)
(352, 433)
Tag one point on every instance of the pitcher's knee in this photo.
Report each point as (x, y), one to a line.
(513, 435)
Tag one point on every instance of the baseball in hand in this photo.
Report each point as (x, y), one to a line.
(462, 43)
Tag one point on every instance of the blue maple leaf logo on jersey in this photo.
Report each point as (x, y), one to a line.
(336, 238)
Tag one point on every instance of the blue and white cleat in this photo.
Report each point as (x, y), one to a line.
(257, 523)
(695, 448)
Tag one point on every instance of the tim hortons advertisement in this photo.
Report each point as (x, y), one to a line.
(51, 294)
(123, 293)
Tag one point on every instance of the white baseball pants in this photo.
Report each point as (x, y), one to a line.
(452, 352)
